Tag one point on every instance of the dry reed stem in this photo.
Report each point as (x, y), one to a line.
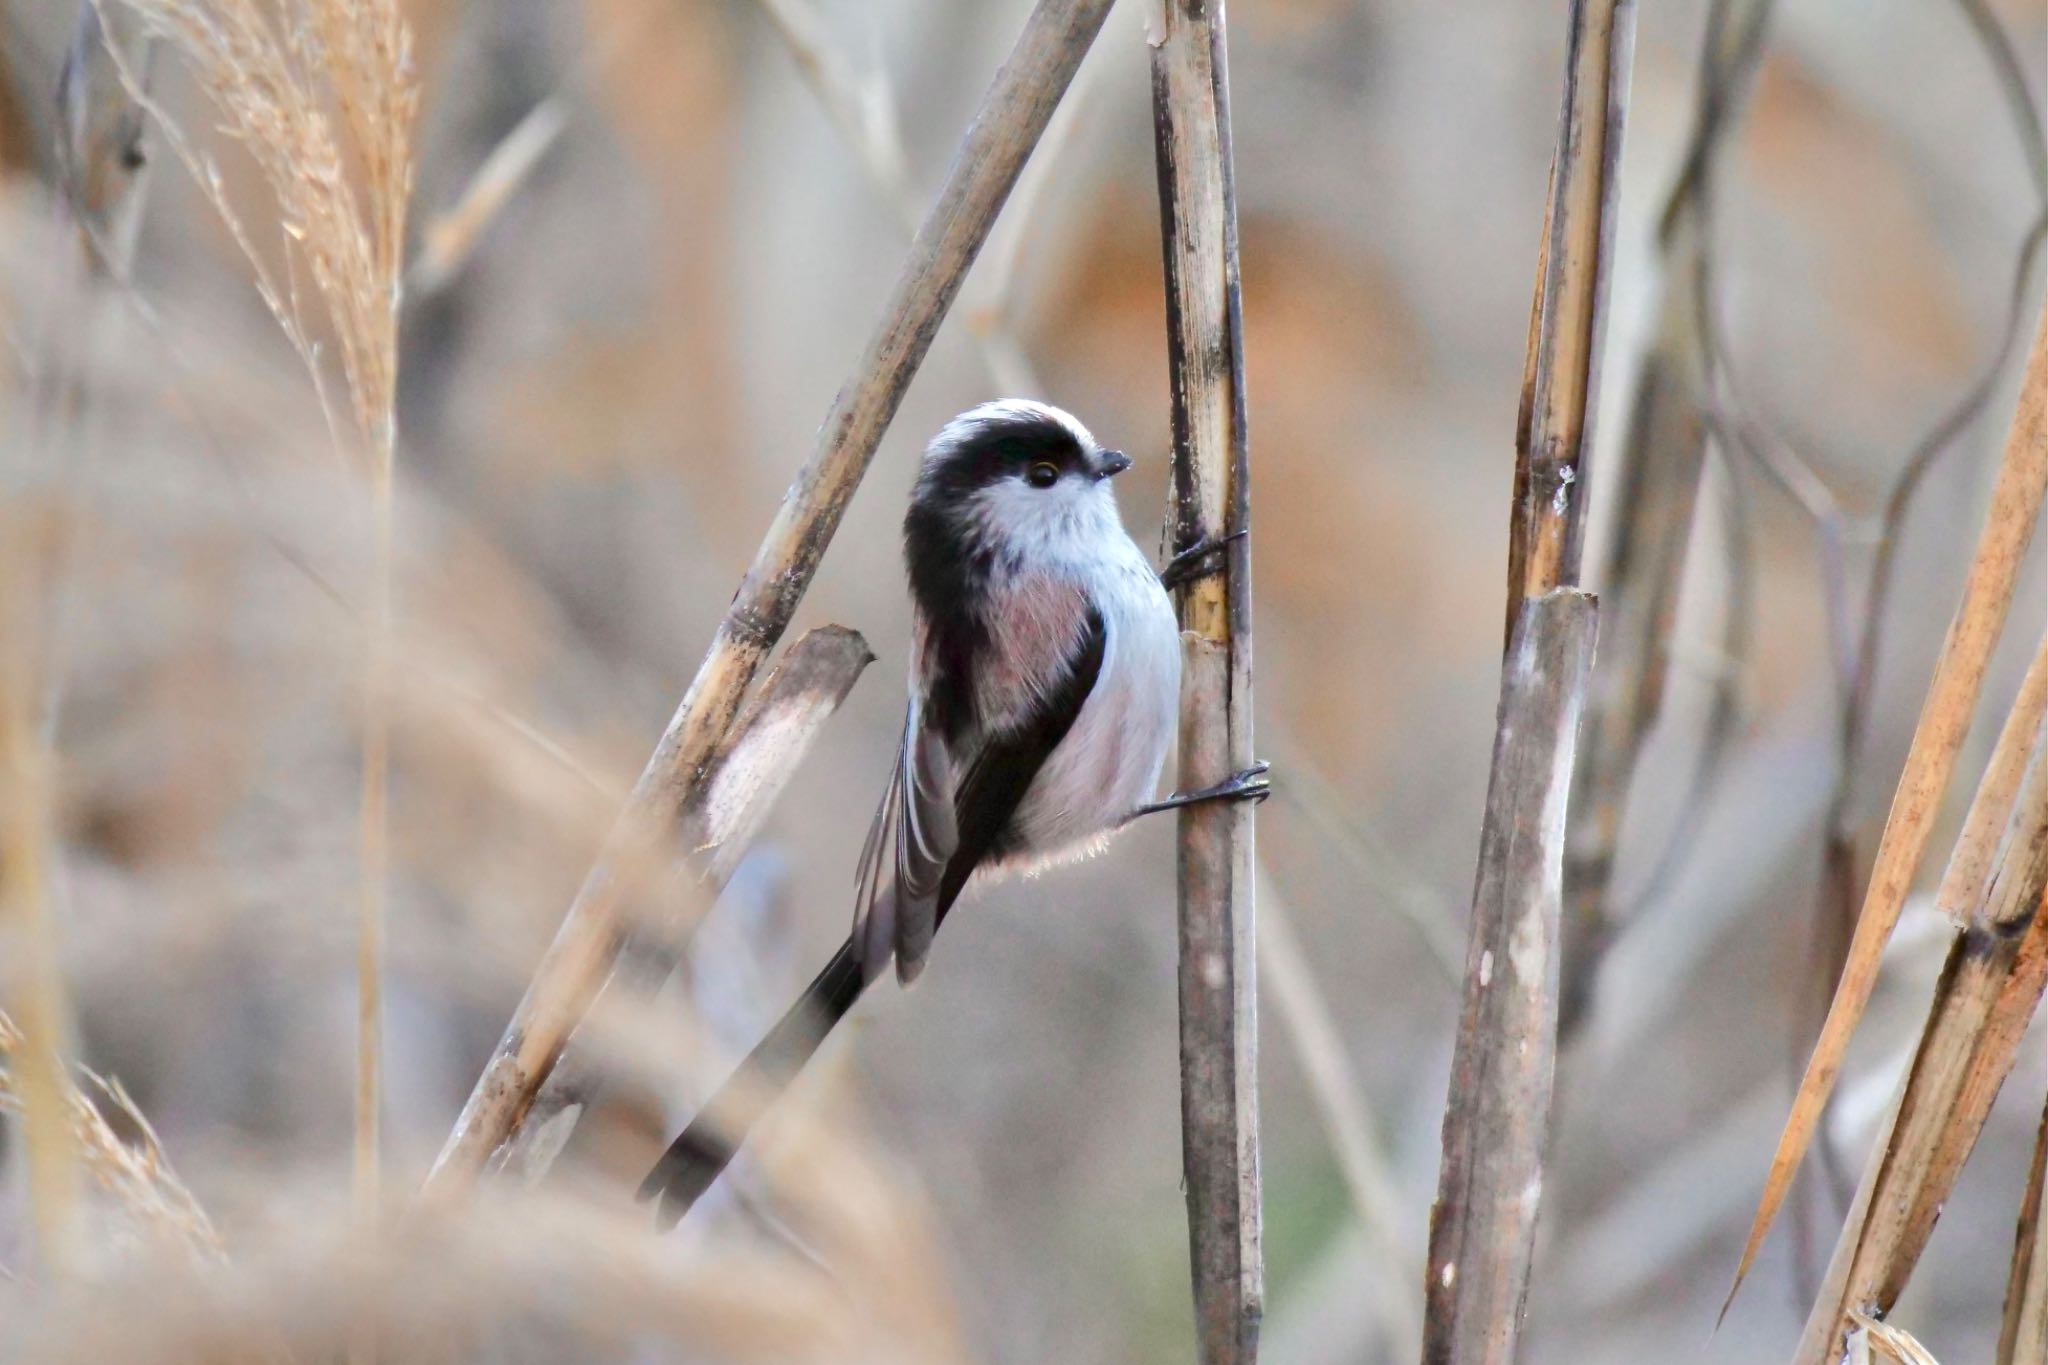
(103, 173)
(1211, 501)
(740, 786)
(33, 977)
(321, 96)
(1988, 991)
(863, 109)
(1503, 1067)
(102, 169)
(1970, 866)
(2023, 1331)
(1496, 1118)
(101, 164)
(1930, 762)
(450, 238)
(1568, 319)
(1659, 477)
(1008, 124)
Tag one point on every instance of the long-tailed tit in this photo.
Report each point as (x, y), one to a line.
(1044, 676)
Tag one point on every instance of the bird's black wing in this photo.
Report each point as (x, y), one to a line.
(994, 784)
(944, 814)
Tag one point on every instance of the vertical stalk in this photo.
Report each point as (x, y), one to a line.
(102, 172)
(1482, 1232)
(375, 849)
(1211, 497)
(26, 930)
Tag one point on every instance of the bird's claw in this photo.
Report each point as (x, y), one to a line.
(1192, 563)
(1252, 784)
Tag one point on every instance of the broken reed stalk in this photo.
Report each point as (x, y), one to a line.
(1659, 473)
(1988, 991)
(1211, 503)
(2023, 1334)
(726, 810)
(1496, 1118)
(1937, 740)
(1483, 1227)
(1012, 116)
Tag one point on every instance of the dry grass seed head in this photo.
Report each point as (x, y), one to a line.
(152, 1206)
(280, 81)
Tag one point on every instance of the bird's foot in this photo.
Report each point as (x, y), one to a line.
(1252, 785)
(1193, 562)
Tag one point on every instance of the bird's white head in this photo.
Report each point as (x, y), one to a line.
(1022, 480)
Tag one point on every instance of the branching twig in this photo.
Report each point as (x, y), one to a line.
(1012, 116)
(1211, 505)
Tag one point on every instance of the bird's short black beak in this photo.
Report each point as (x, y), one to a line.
(1111, 463)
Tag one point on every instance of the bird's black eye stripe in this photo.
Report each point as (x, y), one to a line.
(1043, 474)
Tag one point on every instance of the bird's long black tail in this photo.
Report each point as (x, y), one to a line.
(716, 1135)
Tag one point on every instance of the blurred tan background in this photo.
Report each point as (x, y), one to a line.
(599, 410)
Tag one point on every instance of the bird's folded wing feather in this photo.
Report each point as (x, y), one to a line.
(944, 814)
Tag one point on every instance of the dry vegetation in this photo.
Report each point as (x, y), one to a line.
(327, 668)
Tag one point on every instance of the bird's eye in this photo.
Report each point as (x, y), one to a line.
(1043, 475)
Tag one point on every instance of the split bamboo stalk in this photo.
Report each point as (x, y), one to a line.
(1990, 988)
(1988, 991)
(725, 811)
(1012, 116)
(2023, 1336)
(1212, 505)
(1930, 763)
(1497, 1114)
(1655, 494)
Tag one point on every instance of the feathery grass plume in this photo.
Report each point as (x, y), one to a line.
(152, 1206)
(321, 96)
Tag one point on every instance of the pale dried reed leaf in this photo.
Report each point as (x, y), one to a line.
(1878, 1339)
(1944, 722)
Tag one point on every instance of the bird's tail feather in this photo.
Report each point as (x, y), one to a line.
(713, 1138)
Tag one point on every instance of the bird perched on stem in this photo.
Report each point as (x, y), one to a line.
(1044, 679)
